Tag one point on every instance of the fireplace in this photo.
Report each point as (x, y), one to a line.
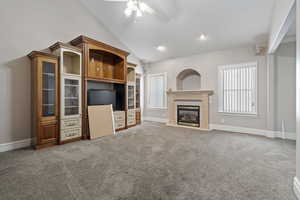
(189, 99)
(188, 115)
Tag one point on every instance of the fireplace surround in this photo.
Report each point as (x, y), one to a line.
(189, 98)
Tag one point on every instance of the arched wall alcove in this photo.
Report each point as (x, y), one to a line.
(188, 79)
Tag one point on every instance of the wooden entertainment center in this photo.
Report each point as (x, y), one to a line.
(62, 80)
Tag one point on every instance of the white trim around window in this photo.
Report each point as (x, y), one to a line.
(238, 89)
(156, 91)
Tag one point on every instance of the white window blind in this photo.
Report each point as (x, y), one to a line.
(157, 90)
(238, 88)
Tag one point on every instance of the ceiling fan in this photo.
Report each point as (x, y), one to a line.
(135, 8)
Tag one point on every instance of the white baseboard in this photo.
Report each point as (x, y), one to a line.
(252, 131)
(286, 135)
(15, 145)
(155, 119)
(238, 129)
(297, 187)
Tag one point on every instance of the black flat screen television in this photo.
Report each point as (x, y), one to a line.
(102, 97)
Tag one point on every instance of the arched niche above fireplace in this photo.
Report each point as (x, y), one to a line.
(188, 79)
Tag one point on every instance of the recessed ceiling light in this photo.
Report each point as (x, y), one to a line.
(203, 37)
(161, 48)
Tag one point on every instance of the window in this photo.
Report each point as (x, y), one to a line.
(238, 88)
(157, 90)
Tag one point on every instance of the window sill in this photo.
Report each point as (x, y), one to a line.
(239, 114)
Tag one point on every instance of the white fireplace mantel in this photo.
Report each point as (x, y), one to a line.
(201, 96)
(189, 92)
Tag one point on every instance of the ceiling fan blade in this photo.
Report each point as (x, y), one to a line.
(145, 8)
(157, 11)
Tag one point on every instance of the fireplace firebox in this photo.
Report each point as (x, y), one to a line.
(188, 115)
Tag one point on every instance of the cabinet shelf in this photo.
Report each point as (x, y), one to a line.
(49, 74)
(105, 65)
(131, 75)
(48, 89)
(106, 80)
(73, 75)
(71, 63)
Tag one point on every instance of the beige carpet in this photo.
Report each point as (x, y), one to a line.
(153, 162)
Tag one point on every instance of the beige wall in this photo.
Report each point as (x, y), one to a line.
(192, 82)
(35, 25)
(285, 87)
(298, 92)
(207, 64)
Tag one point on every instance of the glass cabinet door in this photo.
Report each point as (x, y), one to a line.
(71, 97)
(137, 93)
(130, 97)
(49, 93)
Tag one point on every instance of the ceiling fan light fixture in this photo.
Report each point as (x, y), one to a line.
(138, 8)
(132, 5)
(128, 12)
(145, 8)
(139, 13)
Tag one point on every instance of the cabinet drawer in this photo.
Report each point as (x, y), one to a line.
(119, 119)
(119, 125)
(131, 118)
(130, 113)
(70, 123)
(119, 113)
(67, 134)
(131, 122)
(119, 116)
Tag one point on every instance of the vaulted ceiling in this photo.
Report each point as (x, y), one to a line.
(178, 23)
